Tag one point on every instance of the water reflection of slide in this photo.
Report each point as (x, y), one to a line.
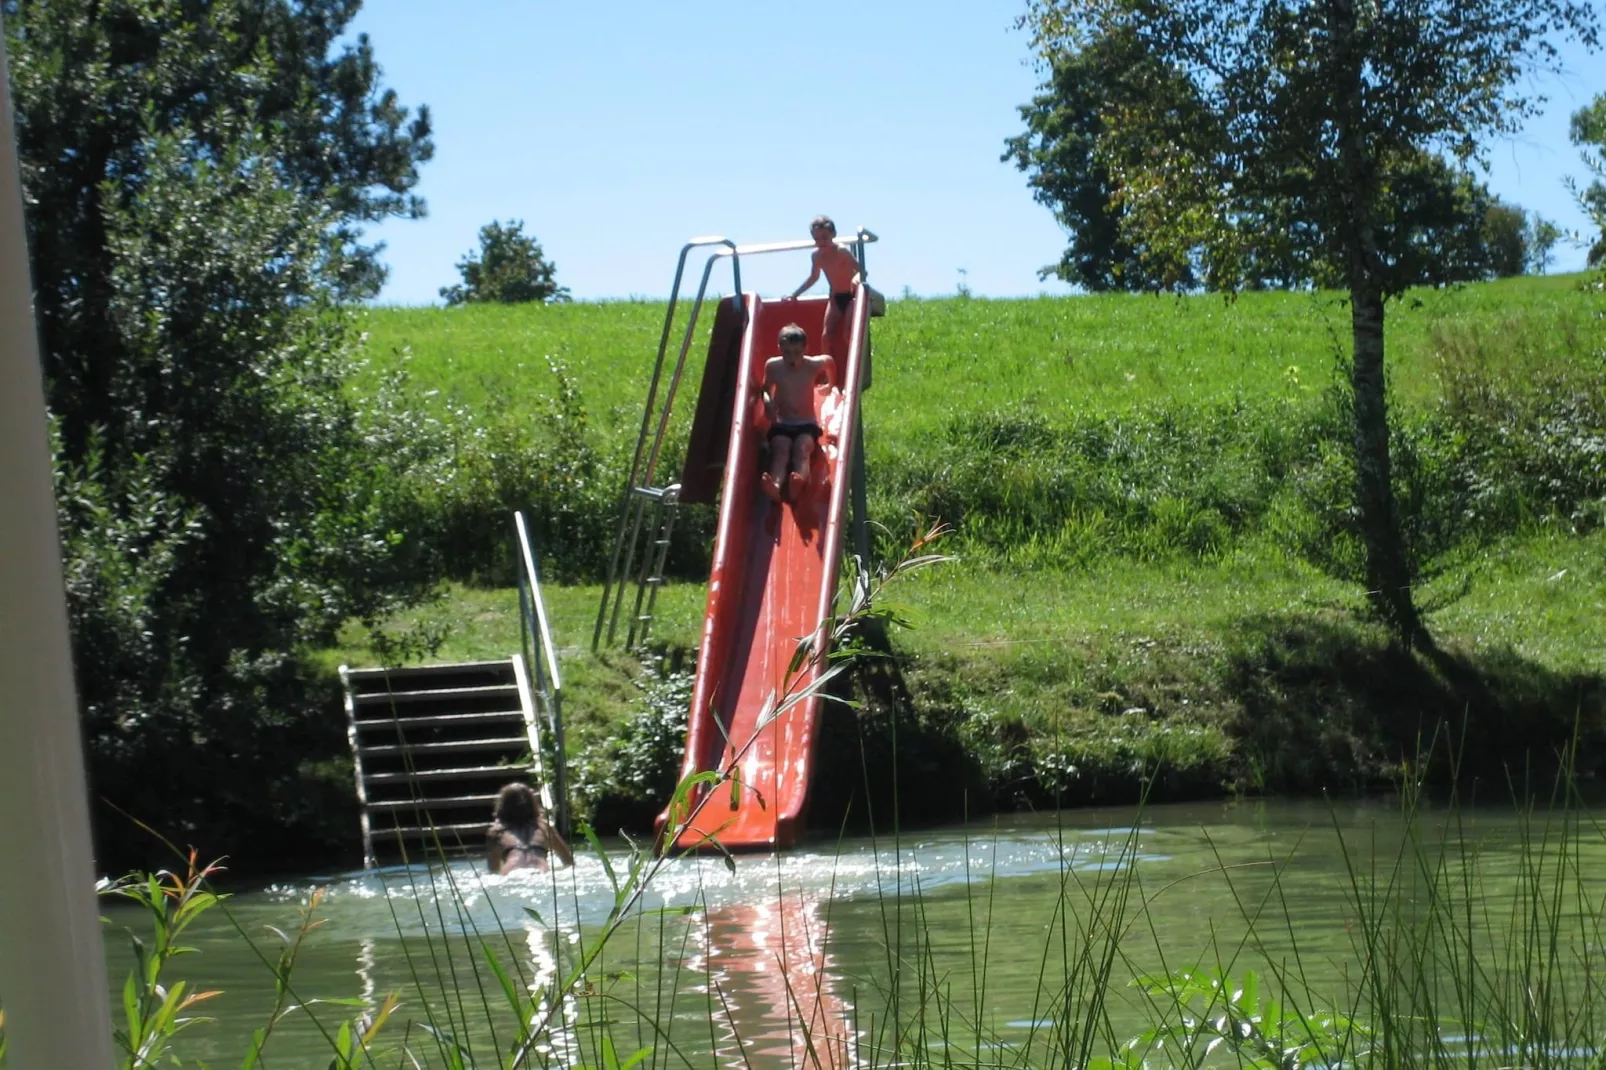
(775, 1001)
(773, 581)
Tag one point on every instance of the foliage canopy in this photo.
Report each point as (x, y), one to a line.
(508, 267)
(197, 178)
(1436, 221)
(1588, 132)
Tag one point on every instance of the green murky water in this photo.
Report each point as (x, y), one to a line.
(978, 927)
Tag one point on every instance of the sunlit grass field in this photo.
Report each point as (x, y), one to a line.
(935, 358)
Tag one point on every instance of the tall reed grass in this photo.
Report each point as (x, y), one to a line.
(1441, 969)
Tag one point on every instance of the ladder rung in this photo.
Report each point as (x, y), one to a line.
(454, 745)
(448, 802)
(441, 719)
(457, 668)
(510, 771)
(443, 831)
(657, 494)
(385, 697)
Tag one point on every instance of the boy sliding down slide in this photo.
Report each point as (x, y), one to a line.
(789, 400)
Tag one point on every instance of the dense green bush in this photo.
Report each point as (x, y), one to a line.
(1518, 439)
(463, 472)
(1032, 492)
(624, 779)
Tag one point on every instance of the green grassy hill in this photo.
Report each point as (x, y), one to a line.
(937, 358)
(1150, 496)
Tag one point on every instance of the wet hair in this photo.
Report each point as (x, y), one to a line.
(824, 221)
(793, 333)
(517, 805)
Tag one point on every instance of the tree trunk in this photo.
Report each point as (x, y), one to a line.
(1388, 568)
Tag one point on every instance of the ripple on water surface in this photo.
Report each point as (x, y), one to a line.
(462, 896)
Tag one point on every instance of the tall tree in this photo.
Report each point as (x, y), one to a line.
(1437, 221)
(96, 81)
(1505, 234)
(1588, 132)
(1059, 151)
(1307, 107)
(197, 174)
(1540, 238)
(509, 268)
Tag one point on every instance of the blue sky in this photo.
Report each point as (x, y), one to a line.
(618, 130)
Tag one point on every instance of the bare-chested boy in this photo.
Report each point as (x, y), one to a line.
(840, 268)
(789, 381)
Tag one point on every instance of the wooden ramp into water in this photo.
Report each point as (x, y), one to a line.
(432, 745)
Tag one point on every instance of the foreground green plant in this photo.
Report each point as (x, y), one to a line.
(1212, 1010)
(153, 1010)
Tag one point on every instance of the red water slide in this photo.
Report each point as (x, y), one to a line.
(773, 581)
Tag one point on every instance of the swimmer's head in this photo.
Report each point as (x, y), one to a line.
(517, 805)
(822, 223)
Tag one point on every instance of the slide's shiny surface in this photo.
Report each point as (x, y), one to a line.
(772, 585)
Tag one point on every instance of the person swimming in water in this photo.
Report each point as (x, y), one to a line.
(520, 837)
(840, 268)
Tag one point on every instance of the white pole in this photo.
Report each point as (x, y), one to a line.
(52, 968)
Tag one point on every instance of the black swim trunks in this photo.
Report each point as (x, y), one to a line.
(843, 300)
(792, 430)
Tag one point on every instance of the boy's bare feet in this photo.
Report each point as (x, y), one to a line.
(794, 486)
(771, 489)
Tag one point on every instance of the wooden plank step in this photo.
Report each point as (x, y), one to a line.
(510, 771)
(442, 720)
(441, 694)
(473, 831)
(414, 671)
(521, 742)
(446, 802)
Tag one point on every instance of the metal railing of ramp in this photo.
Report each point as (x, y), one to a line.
(546, 683)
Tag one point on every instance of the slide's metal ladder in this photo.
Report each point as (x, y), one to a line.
(653, 560)
(640, 495)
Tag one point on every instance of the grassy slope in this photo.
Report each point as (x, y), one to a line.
(936, 357)
(1213, 648)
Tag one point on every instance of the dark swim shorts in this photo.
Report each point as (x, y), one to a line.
(843, 300)
(793, 430)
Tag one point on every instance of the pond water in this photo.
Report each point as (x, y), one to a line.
(970, 940)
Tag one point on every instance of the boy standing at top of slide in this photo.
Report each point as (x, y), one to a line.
(840, 268)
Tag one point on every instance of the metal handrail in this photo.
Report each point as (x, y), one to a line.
(856, 239)
(534, 624)
(632, 508)
(630, 519)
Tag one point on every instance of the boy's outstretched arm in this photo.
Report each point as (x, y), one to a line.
(814, 277)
